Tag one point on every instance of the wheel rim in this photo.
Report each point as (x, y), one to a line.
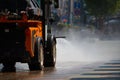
(41, 59)
(54, 53)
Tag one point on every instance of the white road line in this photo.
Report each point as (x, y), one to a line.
(103, 71)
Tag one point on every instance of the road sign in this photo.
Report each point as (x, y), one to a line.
(76, 5)
(77, 11)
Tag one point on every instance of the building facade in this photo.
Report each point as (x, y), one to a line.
(71, 11)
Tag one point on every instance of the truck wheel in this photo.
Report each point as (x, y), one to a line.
(8, 67)
(50, 59)
(53, 57)
(36, 62)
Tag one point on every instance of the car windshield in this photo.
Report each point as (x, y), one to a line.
(13, 5)
(18, 5)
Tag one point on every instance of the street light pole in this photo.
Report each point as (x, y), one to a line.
(71, 12)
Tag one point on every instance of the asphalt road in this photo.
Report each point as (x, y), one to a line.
(100, 61)
(60, 72)
(68, 71)
(106, 71)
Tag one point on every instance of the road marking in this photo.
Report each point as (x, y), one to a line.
(107, 71)
(94, 77)
(106, 78)
(110, 66)
(103, 73)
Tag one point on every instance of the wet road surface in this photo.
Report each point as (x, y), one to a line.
(84, 61)
(107, 71)
(60, 72)
(68, 71)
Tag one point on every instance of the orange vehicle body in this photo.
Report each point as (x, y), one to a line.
(33, 30)
(26, 35)
(35, 26)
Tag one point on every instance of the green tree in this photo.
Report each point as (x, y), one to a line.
(102, 8)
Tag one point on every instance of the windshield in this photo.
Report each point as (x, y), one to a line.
(13, 5)
(18, 5)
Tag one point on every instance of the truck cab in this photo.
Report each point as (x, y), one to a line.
(24, 34)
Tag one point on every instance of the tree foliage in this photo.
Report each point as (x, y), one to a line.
(102, 7)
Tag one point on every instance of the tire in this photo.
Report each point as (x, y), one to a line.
(36, 62)
(8, 67)
(50, 59)
(53, 57)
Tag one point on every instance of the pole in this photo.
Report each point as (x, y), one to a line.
(71, 12)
